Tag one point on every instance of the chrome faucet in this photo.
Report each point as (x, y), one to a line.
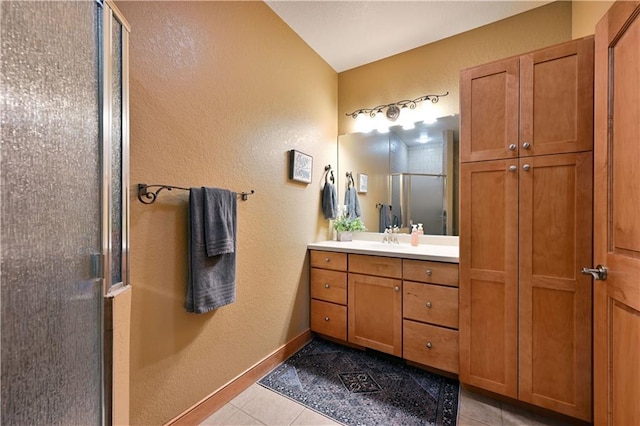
(386, 238)
(394, 235)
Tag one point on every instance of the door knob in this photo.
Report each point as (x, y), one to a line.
(429, 345)
(326, 318)
(326, 286)
(513, 168)
(428, 304)
(526, 167)
(512, 147)
(396, 288)
(526, 145)
(598, 273)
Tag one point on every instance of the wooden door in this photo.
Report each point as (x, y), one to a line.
(489, 276)
(556, 99)
(555, 298)
(375, 313)
(489, 111)
(617, 217)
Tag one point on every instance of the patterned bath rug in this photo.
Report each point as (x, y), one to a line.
(358, 388)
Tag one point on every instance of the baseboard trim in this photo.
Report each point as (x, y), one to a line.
(209, 405)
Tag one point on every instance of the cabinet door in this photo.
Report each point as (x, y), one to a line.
(488, 275)
(375, 313)
(617, 222)
(556, 95)
(555, 298)
(489, 111)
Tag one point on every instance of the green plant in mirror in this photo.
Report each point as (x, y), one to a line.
(348, 224)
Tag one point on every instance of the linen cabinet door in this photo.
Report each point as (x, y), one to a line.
(488, 275)
(375, 313)
(489, 111)
(555, 298)
(556, 99)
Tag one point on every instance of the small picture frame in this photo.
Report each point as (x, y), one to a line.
(300, 166)
(362, 183)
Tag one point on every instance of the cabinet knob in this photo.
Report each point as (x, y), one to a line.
(428, 272)
(526, 167)
(428, 304)
(326, 286)
(326, 259)
(526, 145)
(512, 147)
(326, 318)
(396, 288)
(428, 345)
(513, 168)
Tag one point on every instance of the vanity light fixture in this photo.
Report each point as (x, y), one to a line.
(392, 111)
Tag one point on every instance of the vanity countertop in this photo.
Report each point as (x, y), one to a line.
(434, 248)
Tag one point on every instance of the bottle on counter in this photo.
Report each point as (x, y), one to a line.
(414, 235)
(420, 229)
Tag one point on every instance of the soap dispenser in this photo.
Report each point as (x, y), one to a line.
(414, 235)
(420, 229)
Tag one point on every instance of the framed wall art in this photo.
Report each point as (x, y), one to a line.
(300, 166)
(362, 182)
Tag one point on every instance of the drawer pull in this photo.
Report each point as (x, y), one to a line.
(428, 304)
(326, 286)
(326, 259)
(428, 272)
(428, 345)
(396, 288)
(326, 318)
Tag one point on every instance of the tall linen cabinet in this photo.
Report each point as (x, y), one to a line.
(526, 227)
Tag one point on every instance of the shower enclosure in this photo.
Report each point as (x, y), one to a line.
(64, 172)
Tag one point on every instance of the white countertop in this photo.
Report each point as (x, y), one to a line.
(432, 247)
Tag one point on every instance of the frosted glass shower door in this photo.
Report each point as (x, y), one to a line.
(51, 304)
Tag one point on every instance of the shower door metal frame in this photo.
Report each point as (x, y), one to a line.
(109, 289)
(110, 11)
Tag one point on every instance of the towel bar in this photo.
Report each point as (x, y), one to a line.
(148, 197)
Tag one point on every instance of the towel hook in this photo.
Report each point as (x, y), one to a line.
(327, 170)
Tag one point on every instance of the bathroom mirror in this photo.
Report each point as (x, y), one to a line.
(413, 171)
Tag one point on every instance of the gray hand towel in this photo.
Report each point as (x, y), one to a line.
(329, 201)
(212, 247)
(385, 217)
(351, 203)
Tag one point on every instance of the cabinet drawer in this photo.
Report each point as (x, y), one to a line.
(329, 260)
(376, 265)
(329, 319)
(434, 304)
(430, 345)
(430, 272)
(330, 286)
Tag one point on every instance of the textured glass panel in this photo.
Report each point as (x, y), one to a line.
(116, 155)
(50, 304)
(427, 206)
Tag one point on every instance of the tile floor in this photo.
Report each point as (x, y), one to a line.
(260, 406)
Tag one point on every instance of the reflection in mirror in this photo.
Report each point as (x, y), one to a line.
(413, 171)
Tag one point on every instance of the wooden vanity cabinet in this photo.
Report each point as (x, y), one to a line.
(525, 233)
(329, 293)
(403, 307)
(375, 303)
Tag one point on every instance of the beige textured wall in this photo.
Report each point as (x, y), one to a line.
(121, 354)
(220, 91)
(435, 68)
(585, 16)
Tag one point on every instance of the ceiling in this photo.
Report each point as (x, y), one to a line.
(347, 34)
